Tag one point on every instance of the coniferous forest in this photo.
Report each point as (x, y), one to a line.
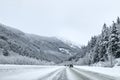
(105, 46)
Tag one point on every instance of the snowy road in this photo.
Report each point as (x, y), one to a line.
(49, 73)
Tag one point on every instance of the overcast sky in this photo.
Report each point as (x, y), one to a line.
(74, 20)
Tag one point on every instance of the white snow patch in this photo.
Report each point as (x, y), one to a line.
(65, 50)
(115, 71)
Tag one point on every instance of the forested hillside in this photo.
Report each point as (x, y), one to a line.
(103, 47)
(17, 46)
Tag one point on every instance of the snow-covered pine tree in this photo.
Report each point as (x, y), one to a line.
(96, 52)
(92, 48)
(118, 20)
(103, 44)
(113, 46)
(113, 41)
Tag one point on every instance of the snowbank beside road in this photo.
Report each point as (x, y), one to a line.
(115, 71)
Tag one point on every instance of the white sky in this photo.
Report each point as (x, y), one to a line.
(74, 20)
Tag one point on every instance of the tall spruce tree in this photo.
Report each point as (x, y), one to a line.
(113, 46)
(118, 20)
(114, 40)
(104, 43)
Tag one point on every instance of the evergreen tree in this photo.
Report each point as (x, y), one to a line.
(96, 53)
(113, 42)
(118, 20)
(103, 44)
(92, 42)
(105, 33)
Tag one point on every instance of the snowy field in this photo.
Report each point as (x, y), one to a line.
(35, 72)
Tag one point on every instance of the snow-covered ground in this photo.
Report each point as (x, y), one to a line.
(115, 71)
(36, 72)
(24, 72)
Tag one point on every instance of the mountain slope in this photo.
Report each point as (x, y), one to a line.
(34, 46)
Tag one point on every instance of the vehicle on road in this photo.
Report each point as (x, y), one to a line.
(71, 66)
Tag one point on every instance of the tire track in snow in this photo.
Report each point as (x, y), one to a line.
(61, 75)
(51, 75)
(74, 75)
